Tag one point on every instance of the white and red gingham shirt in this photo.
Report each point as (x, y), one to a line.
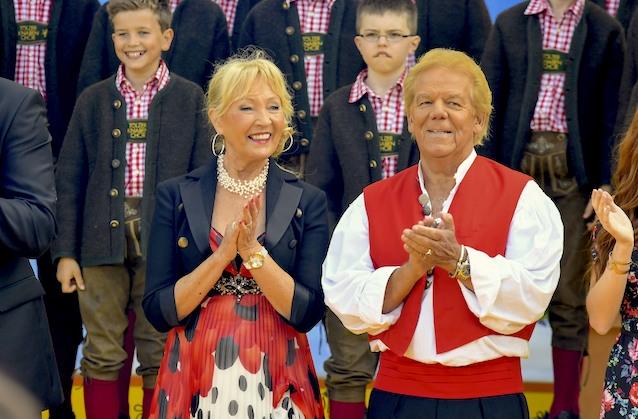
(612, 7)
(172, 4)
(549, 114)
(389, 112)
(30, 58)
(229, 7)
(138, 106)
(314, 16)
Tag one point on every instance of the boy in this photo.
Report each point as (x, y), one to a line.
(201, 40)
(127, 133)
(554, 67)
(362, 137)
(41, 47)
(622, 10)
(311, 42)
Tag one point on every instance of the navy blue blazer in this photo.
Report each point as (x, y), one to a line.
(296, 238)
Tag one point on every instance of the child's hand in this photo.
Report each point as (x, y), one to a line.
(612, 217)
(247, 241)
(69, 275)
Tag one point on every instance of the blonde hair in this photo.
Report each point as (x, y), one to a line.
(233, 79)
(481, 95)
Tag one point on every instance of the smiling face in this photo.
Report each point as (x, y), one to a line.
(382, 56)
(442, 118)
(253, 125)
(139, 41)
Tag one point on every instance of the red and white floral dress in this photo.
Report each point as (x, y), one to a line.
(236, 357)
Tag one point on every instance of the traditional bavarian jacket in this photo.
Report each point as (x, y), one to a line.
(513, 278)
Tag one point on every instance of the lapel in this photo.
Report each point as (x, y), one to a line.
(406, 148)
(8, 39)
(51, 47)
(198, 196)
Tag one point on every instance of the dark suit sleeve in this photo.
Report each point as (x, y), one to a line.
(27, 192)
(203, 134)
(161, 268)
(323, 168)
(94, 67)
(220, 48)
(494, 64)
(307, 301)
(246, 37)
(628, 94)
(478, 27)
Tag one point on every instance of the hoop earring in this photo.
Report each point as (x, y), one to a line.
(289, 146)
(213, 145)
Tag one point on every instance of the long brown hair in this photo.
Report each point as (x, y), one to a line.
(625, 182)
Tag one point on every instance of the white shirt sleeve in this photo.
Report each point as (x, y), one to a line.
(353, 289)
(513, 291)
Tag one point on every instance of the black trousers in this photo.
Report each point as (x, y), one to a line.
(385, 405)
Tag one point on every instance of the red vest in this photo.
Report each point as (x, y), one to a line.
(482, 208)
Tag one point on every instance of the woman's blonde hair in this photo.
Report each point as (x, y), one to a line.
(233, 79)
(481, 95)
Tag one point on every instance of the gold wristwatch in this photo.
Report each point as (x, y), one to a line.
(462, 271)
(256, 260)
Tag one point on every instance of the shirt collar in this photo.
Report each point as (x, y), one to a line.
(361, 88)
(536, 7)
(159, 77)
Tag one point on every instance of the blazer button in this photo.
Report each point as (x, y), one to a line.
(297, 85)
(292, 244)
(115, 163)
(290, 30)
(368, 135)
(117, 104)
(298, 213)
(285, 5)
(373, 164)
(115, 224)
(114, 193)
(304, 142)
(116, 133)
(182, 242)
(294, 58)
(362, 108)
(301, 114)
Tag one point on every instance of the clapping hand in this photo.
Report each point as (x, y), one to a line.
(247, 240)
(612, 217)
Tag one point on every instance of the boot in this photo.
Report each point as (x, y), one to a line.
(347, 410)
(567, 368)
(100, 399)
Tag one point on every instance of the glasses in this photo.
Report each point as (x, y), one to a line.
(391, 37)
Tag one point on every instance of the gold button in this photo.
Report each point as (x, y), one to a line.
(290, 30)
(182, 242)
(362, 108)
(285, 5)
(373, 164)
(117, 104)
(296, 85)
(298, 213)
(115, 224)
(116, 133)
(115, 163)
(304, 142)
(368, 135)
(294, 58)
(301, 114)
(114, 193)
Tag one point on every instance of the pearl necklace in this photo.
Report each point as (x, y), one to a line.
(244, 188)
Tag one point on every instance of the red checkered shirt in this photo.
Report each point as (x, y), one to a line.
(612, 7)
(137, 108)
(229, 7)
(172, 4)
(549, 114)
(314, 16)
(389, 112)
(30, 58)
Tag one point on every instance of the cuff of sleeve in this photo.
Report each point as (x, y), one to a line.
(371, 301)
(485, 287)
(166, 299)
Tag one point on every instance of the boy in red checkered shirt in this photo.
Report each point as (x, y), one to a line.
(554, 67)
(127, 133)
(362, 137)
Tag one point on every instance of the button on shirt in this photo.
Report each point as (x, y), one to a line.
(549, 114)
(138, 105)
(510, 291)
(389, 112)
(30, 58)
(314, 16)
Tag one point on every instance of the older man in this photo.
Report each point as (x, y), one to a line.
(448, 264)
